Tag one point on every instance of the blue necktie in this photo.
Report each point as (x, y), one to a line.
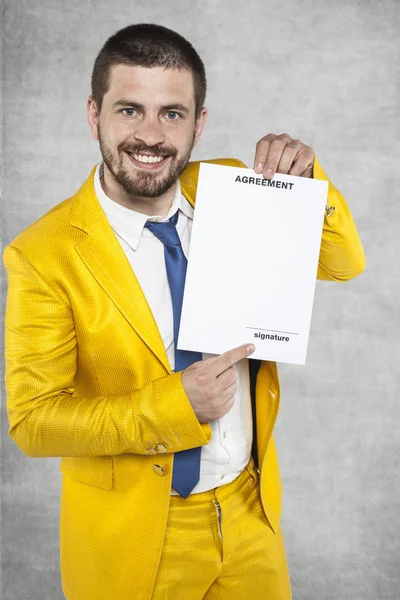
(186, 471)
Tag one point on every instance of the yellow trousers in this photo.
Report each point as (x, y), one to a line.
(219, 546)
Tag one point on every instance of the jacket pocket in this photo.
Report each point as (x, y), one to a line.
(93, 470)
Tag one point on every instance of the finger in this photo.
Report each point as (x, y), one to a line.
(228, 359)
(227, 378)
(231, 391)
(262, 148)
(275, 152)
(228, 397)
(227, 401)
(303, 161)
(289, 156)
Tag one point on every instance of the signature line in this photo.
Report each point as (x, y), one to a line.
(273, 330)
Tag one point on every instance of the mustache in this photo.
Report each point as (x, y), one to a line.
(142, 148)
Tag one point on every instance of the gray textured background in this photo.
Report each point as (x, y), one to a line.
(327, 73)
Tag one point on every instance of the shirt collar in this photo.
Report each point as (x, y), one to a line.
(128, 223)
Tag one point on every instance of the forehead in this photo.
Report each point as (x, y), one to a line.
(155, 85)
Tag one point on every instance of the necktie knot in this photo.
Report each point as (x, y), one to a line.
(165, 231)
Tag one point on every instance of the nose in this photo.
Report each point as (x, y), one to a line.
(149, 131)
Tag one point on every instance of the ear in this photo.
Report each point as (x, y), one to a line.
(93, 117)
(199, 125)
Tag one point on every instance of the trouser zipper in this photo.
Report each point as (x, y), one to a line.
(218, 507)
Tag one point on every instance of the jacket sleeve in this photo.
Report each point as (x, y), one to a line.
(342, 255)
(46, 415)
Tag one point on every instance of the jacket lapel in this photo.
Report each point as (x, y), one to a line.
(102, 254)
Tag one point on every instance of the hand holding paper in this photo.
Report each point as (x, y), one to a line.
(282, 154)
(253, 263)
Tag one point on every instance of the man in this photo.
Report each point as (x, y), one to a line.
(171, 483)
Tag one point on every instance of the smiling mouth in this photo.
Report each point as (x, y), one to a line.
(147, 161)
(147, 158)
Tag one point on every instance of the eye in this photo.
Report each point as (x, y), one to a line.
(172, 115)
(129, 112)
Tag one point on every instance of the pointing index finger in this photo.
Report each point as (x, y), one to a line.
(231, 357)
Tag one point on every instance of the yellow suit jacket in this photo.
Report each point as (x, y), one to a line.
(88, 380)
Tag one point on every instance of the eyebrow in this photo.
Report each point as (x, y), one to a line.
(123, 102)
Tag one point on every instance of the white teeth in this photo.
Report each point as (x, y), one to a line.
(143, 158)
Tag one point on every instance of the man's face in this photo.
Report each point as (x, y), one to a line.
(146, 127)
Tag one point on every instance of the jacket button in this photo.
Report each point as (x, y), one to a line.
(158, 470)
(330, 211)
(161, 448)
(151, 451)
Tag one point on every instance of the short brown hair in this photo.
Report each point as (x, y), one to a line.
(148, 45)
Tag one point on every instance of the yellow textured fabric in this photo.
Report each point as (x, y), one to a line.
(220, 546)
(88, 380)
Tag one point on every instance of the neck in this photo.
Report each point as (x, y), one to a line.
(148, 206)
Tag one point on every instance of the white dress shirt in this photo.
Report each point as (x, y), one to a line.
(229, 450)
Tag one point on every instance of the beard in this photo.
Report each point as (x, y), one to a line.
(145, 184)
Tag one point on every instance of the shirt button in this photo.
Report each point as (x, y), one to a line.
(222, 476)
(224, 434)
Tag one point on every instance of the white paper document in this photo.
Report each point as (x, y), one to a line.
(253, 263)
